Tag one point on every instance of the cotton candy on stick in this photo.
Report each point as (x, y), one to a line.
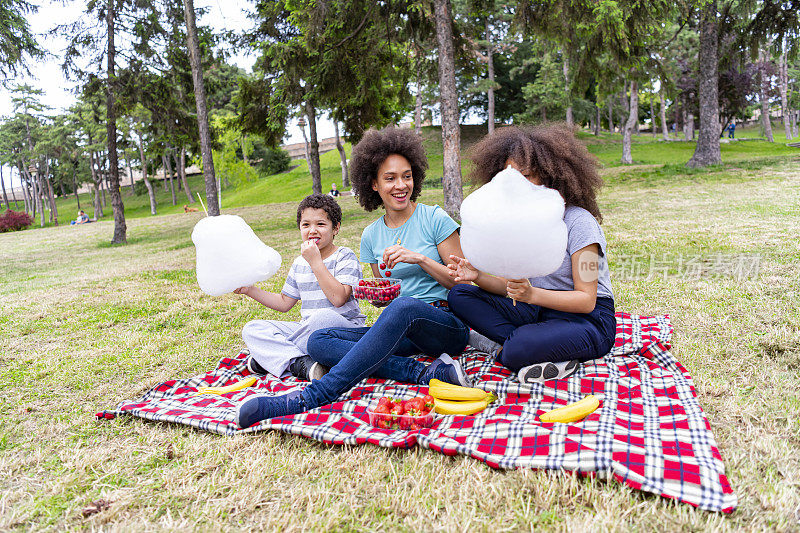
(230, 255)
(514, 229)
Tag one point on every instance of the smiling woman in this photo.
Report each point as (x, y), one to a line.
(409, 242)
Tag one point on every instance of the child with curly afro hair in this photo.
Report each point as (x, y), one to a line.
(566, 317)
(409, 242)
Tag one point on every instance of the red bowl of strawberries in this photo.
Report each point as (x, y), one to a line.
(396, 414)
(377, 291)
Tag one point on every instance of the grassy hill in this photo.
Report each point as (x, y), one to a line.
(654, 161)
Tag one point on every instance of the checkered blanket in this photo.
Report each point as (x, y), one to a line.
(649, 432)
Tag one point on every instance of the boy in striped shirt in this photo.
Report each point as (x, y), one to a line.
(322, 278)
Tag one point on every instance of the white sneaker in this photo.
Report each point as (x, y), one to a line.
(541, 372)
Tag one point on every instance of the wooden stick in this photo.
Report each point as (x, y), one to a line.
(201, 203)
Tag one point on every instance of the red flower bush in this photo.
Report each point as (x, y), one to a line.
(14, 221)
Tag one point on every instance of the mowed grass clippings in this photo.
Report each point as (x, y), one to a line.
(85, 325)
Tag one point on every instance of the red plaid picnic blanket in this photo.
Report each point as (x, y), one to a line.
(649, 432)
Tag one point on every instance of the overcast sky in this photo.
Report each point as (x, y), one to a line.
(46, 73)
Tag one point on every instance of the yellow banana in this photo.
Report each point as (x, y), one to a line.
(572, 412)
(239, 385)
(445, 407)
(445, 391)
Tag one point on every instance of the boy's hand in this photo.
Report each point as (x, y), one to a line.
(243, 290)
(397, 254)
(310, 252)
(461, 269)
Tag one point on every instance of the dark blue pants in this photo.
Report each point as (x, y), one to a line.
(533, 334)
(407, 326)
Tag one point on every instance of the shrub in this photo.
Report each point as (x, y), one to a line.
(14, 221)
(139, 188)
(272, 160)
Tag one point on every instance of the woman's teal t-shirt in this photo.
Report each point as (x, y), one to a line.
(427, 227)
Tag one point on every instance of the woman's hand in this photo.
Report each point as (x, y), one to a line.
(397, 254)
(462, 270)
(520, 290)
(243, 290)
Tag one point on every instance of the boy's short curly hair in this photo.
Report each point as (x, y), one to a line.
(321, 201)
(551, 152)
(370, 153)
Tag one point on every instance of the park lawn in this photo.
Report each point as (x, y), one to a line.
(653, 160)
(85, 325)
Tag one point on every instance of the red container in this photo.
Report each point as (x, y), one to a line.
(377, 291)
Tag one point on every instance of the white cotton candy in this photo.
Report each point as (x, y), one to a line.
(513, 228)
(230, 255)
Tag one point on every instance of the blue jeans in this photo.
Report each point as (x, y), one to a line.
(533, 334)
(406, 327)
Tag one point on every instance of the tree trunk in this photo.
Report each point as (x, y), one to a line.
(51, 197)
(2, 183)
(313, 165)
(168, 167)
(120, 227)
(707, 151)
(418, 106)
(342, 156)
(610, 115)
(766, 123)
(597, 120)
(150, 192)
(565, 63)
(664, 126)
(182, 171)
(690, 127)
(630, 124)
(130, 172)
(97, 205)
(794, 124)
(53, 207)
(212, 198)
(451, 132)
(653, 116)
(305, 147)
(243, 144)
(75, 187)
(490, 72)
(784, 86)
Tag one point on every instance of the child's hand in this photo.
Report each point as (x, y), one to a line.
(520, 290)
(461, 269)
(397, 254)
(243, 290)
(310, 252)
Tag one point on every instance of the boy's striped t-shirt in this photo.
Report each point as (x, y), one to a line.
(301, 284)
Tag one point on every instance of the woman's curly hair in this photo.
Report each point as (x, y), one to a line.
(552, 153)
(372, 151)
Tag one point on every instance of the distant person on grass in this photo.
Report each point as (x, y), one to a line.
(731, 130)
(82, 218)
(322, 278)
(410, 242)
(334, 191)
(566, 317)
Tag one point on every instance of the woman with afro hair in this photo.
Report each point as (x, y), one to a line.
(566, 317)
(410, 242)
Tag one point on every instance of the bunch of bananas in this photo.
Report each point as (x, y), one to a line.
(455, 400)
(239, 385)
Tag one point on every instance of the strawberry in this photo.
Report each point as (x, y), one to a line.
(386, 402)
(428, 399)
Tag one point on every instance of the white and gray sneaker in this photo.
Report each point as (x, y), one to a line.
(541, 372)
(482, 343)
(307, 369)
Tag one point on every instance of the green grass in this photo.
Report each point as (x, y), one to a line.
(84, 326)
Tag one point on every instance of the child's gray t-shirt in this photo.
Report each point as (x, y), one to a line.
(301, 284)
(583, 230)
